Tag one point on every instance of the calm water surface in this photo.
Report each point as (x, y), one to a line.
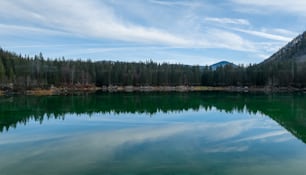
(153, 133)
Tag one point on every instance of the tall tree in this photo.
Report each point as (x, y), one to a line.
(2, 71)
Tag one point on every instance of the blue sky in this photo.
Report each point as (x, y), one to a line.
(175, 31)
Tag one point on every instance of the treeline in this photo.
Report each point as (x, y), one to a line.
(23, 72)
(26, 72)
(287, 73)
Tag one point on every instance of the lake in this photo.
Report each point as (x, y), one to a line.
(153, 133)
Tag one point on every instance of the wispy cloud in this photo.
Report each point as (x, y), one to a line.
(98, 20)
(230, 40)
(20, 29)
(89, 19)
(263, 34)
(296, 7)
(228, 21)
(176, 3)
(282, 32)
(146, 25)
(269, 47)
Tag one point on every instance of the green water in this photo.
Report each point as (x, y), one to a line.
(153, 133)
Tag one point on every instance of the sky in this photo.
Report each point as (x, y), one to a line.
(194, 32)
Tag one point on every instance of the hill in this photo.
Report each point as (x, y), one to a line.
(293, 51)
(286, 67)
(221, 64)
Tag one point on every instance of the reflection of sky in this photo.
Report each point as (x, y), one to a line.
(180, 141)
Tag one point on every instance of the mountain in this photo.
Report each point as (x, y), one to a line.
(221, 64)
(293, 51)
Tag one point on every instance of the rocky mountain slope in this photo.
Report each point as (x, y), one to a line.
(294, 51)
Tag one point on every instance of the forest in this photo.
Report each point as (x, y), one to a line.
(23, 72)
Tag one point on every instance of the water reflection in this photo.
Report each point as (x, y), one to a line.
(289, 110)
(153, 133)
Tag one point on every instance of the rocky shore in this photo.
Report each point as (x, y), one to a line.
(92, 89)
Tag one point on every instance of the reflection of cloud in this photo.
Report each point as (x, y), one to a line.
(101, 145)
(83, 147)
(227, 149)
(231, 129)
(28, 139)
(272, 166)
(211, 132)
(264, 136)
(98, 145)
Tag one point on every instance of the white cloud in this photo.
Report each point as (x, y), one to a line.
(229, 40)
(228, 21)
(264, 35)
(87, 19)
(269, 47)
(177, 3)
(296, 7)
(97, 20)
(263, 56)
(19, 29)
(31, 23)
(283, 32)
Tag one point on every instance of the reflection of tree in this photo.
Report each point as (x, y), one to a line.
(288, 110)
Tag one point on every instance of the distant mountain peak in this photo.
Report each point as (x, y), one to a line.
(221, 64)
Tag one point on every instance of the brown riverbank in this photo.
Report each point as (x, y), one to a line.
(199, 88)
(61, 91)
(69, 90)
(91, 89)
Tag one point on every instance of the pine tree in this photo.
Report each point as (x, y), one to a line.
(2, 71)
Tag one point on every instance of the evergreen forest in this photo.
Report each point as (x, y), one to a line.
(285, 68)
(23, 72)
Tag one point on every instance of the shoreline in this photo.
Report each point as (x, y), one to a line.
(74, 90)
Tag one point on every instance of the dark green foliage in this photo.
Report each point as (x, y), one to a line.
(2, 70)
(21, 72)
(27, 73)
(286, 73)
